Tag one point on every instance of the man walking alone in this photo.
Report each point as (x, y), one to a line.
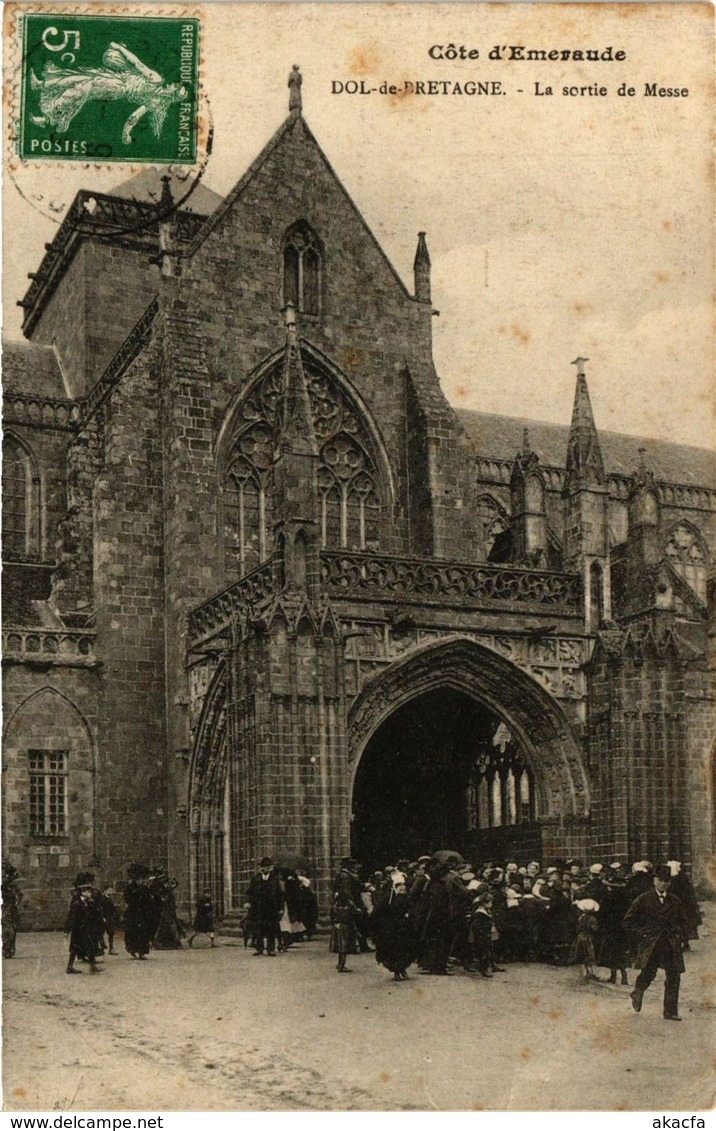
(655, 919)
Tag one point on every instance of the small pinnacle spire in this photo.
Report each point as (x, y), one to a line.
(526, 449)
(166, 201)
(295, 432)
(584, 457)
(421, 270)
(295, 103)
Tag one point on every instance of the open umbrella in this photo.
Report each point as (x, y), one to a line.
(447, 856)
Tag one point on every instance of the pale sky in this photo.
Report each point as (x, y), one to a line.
(557, 226)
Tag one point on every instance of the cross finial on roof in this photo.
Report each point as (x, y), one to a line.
(579, 362)
(295, 104)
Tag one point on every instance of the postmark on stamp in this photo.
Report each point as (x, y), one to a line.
(109, 88)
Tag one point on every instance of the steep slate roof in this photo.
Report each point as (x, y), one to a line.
(32, 369)
(500, 437)
(147, 186)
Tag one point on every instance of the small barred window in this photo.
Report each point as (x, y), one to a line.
(48, 792)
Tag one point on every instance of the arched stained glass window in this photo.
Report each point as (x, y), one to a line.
(20, 502)
(350, 499)
(245, 500)
(302, 269)
(501, 785)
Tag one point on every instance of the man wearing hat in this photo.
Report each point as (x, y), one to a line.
(655, 919)
(81, 924)
(265, 901)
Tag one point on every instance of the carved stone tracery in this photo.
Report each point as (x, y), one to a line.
(350, 491)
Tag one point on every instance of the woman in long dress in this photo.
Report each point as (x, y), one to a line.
(139, 913)
(393, 932)
(344, 915)
(612, 939)
(11, 900)
(582, 949)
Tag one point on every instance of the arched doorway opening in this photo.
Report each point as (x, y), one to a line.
(456, 746)
(443, 771)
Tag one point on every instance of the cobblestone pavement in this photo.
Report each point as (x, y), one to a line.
(221, 1030)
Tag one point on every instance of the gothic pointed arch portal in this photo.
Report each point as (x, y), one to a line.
(457, 747)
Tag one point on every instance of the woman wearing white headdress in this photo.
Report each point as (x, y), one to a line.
(393, 931)
(582, 949)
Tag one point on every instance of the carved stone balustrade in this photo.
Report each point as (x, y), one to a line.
(431, 581)
(214, 616)
(40, 412)
(67, 647)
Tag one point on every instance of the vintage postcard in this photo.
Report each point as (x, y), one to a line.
(359, 520)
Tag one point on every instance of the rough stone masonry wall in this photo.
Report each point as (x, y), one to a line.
(129, 600)
(642, 732)
(63, 324)
(193, 561)
(700, 701)
(121, 282)
(52, 708)
(72, 582)
(102, 294)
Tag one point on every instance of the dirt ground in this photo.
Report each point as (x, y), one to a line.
(221, 1030)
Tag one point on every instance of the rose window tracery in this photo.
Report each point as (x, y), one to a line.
(349, 495)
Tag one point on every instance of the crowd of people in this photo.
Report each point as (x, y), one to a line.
(438, 912)
(443, 913)
(149, 918)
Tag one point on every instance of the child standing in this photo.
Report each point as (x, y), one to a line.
(204, 919)
(583, 946)
(480, 929)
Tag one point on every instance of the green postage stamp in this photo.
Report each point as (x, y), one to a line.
(109, 88)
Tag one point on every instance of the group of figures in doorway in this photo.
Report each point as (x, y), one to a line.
(443, 914)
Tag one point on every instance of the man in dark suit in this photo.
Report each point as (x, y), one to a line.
(655, 919)
(265, 901)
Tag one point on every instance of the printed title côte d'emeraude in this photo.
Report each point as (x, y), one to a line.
(507, 52)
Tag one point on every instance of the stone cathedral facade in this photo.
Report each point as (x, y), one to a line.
(267, 592)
